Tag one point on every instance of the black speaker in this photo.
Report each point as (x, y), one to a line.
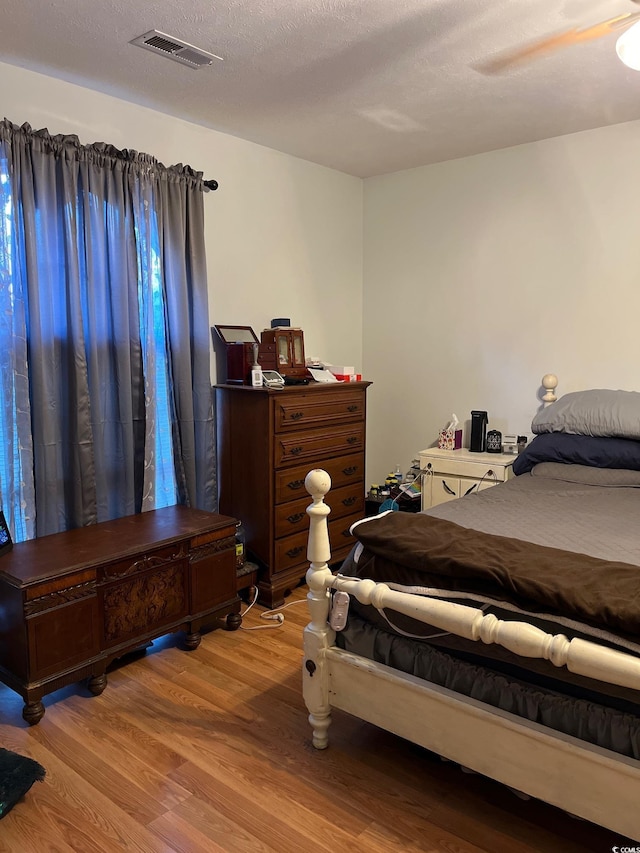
(478, 441)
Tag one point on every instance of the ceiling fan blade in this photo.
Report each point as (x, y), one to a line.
(527, 53)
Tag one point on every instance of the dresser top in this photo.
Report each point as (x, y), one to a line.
(313, 387)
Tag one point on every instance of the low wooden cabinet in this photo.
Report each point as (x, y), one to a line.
(72, 602)
(268, 441)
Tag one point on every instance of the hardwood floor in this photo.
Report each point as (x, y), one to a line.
(210, 751)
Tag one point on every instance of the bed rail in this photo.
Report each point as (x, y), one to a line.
(579, 656)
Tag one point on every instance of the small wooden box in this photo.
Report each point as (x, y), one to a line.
(287, 346)
(234, 347)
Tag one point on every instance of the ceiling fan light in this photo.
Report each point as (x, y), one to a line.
(628, 47)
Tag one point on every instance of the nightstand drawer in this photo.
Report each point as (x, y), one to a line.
(460, 468)
(464, 463)
(291, 413)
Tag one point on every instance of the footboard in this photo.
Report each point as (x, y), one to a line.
(584, 779)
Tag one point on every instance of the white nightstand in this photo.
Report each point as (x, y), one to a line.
(452, 474)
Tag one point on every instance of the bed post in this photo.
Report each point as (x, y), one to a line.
(549, 383)
(318, 636)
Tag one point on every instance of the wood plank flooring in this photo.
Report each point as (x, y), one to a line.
(210, 751)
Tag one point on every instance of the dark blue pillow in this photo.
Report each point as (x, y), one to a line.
(579, 450)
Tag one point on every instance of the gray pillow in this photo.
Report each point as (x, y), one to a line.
(599, 412)
(588, 476)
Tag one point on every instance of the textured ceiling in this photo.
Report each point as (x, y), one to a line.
(363, 86)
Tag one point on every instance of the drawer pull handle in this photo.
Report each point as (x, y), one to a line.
(447, 489)
(296, 450)
(296, 517)
(295, 416)
(349, 501)
(294, 552)
(471, 489)
(352, 439)
(353, 408)
(295, 484)
(348, 472)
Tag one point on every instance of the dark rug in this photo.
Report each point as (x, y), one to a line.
(17, 775)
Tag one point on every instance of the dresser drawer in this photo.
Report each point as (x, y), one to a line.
(340, 536)
(292, 517)
(292, 550)
(318, 444)
(299, 412)
(341, 469)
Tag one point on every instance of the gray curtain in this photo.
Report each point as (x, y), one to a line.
(110, 315)
(188, 327)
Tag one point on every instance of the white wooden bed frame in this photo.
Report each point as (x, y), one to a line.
(585, 780)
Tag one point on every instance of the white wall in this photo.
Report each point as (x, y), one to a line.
(283, 236)
(483, 274)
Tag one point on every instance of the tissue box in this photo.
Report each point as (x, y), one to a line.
(345, 373)
(449, 439)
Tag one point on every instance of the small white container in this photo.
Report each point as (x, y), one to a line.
(256, 376)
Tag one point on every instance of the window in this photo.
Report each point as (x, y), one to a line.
(160, 477)
(164, 480)
(12, 498)
(107, 406)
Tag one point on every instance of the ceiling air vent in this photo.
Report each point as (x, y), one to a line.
(173, 48)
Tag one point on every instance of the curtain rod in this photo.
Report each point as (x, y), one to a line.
(211, 185)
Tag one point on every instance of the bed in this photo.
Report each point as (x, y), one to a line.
(501, 630)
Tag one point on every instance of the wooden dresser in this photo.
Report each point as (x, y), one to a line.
(72, 602)
(268, 441)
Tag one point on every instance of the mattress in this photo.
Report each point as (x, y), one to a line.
(587, 512)
(568, 508)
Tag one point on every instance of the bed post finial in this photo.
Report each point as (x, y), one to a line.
(549, 383)
(318, 483)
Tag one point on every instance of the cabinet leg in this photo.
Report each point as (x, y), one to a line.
(191, 641)
(269, 596)
(33, 712)
(96, 684)
(273, 591)
(233, 621)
